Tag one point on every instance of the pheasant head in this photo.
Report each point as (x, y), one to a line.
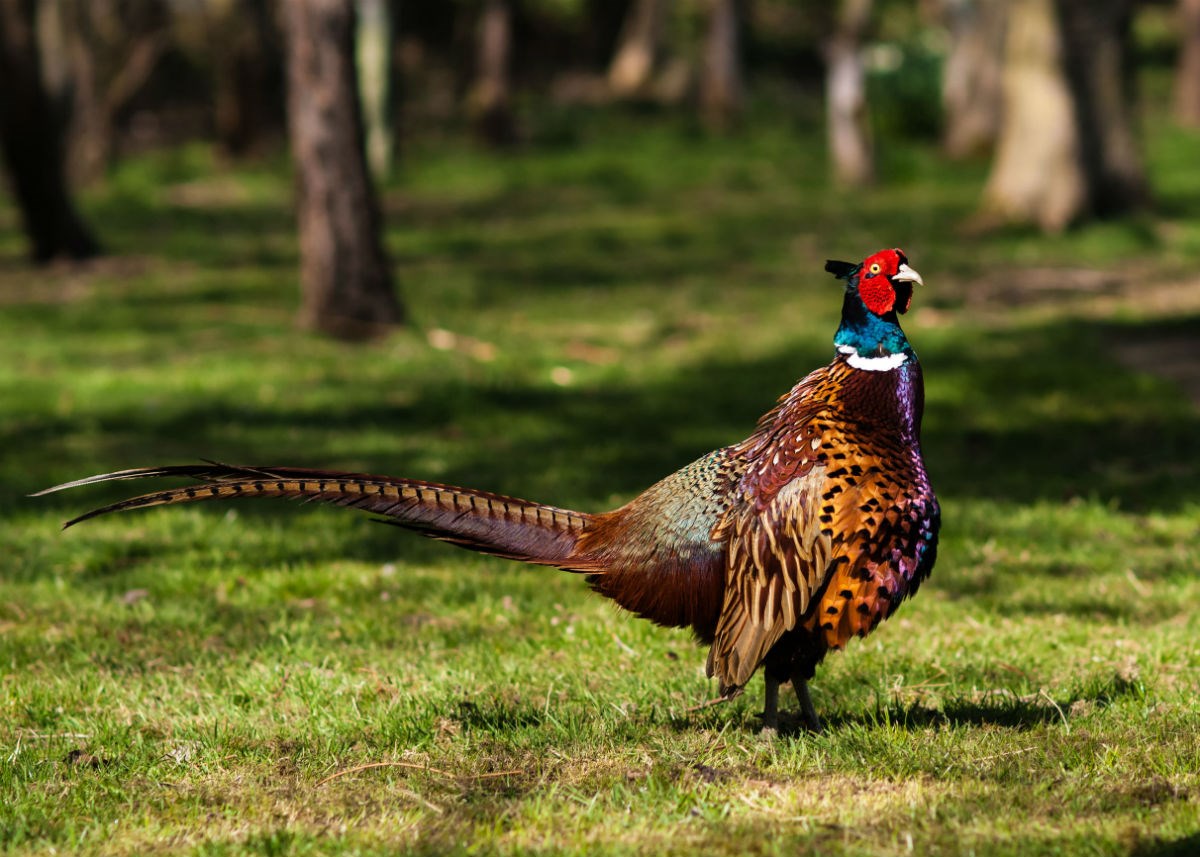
(877, 290)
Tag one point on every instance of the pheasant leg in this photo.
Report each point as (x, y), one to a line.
(770, 715)
(811, 720)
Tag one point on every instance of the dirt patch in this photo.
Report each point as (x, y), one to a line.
(1167, 345)
(1089, 292)
(1041, 286)
(68, 282)
(1174, 356)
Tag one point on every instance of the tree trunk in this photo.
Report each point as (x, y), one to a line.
(245, 59)
(1067, 147)
(721, 79)
(1187, 77)
(345, 275)
(54, 51)
(91, 139)
(1099, 66)
(846, 96)
(491, 96)
(972, 91)
(31, 136)
(114, 50)
(637, 50)
(1037, 175)
(376, 78)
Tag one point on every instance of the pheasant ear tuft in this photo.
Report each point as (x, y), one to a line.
(841, 270)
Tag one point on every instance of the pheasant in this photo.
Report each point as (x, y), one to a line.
(774, 550)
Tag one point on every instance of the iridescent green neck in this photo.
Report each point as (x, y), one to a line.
(870, 336)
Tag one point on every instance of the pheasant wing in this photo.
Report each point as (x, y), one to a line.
(777, 560)
(778, 549)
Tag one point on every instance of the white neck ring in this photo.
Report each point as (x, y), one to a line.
(872, 364)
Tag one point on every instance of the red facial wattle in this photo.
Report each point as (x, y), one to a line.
(875, 285)
(876, 292)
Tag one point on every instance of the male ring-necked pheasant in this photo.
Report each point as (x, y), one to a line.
(774, 550)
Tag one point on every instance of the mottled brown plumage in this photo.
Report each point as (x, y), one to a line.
(774, 550)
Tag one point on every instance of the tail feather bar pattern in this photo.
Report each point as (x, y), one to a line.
(775, 550)
(480, 520)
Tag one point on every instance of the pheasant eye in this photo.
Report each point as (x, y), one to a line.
(875, 268)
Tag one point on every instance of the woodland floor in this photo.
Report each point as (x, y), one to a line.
(587, 317)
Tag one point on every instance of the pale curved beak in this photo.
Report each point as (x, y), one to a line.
(908, 275)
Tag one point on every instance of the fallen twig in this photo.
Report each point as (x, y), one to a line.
(1136, 582)
(1050, 699)
(47, 736)
(709, 703)
(623, 646)
(1006, 753)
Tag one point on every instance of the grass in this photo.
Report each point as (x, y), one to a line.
(187, 680)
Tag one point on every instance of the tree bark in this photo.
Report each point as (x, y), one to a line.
(1037, 175)
(1187, 76)
(245, 60)
(345, 276)
(114, 50)
(1099, 66)
(637, 50)
(376, 78)
(1067, 147)
(31, 135)
(846, 96)
(91, 138)
(972, 91)
(491, 95)
(721, 79)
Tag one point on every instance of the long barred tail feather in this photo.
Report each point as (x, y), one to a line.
(479, 520)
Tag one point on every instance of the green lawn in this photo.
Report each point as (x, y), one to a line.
(187, 680)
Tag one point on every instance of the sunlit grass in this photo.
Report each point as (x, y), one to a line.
(184, 680)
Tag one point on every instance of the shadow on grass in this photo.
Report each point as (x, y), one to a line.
(1009, 714)
(496, 715)
(1001, 708)
(253, 234)
(1034, 414)
(1050, 420)
(1184, 846)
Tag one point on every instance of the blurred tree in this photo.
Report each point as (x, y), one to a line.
(633, 63)
(377, 78)
(245, 57)
(114, 47)
(846, 94)
(972, 76)
(31, 134)
(345, 275)
(721, 76)
(1067, 147)
(1187, 77)
(490, 101)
